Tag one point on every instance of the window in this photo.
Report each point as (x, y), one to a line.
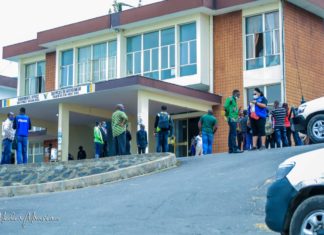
(97, 62)
(271, 92)
(35, 78)
(134, 55)
(157, 51)
(84, 64)
(151, 55)
(67, 68)
(262, 40)
(167, 53)
(188, 49)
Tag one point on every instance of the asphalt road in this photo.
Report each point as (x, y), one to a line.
(216, 194)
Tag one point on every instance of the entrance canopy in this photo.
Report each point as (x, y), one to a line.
(83, 105)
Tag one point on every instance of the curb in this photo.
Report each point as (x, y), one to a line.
(91, 180)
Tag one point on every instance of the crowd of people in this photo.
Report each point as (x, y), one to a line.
(257, 127)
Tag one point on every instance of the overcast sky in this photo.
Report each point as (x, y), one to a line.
(20, 20)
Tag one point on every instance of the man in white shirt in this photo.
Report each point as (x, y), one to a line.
(199, 144)
(8, 135)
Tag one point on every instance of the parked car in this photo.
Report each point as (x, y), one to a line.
(309, 120)
(295, 200)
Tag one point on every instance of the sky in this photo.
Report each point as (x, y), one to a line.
(20, 20)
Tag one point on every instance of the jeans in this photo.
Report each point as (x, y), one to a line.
(98, 150)
(6, 153)
(22, 142)
(281, 134)
(120, 144)
(298, 141)
(141, 150)
(163, 141)
(232, 146)
(248, 141)
(208, 139)
(157, 143)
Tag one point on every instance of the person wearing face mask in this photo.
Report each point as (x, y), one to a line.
(104, 133)
(8, 135)
(141, 139)
(232, 116)
(258, 115)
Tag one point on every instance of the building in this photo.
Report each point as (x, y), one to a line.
(8, 87)
(185, 54)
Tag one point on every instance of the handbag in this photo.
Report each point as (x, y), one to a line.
(253, 113)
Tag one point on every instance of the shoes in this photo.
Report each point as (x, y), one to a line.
(262, 148)
(253, 148)
(237, 151)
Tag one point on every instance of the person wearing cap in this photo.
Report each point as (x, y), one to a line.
(8, 135)
(119, 120)
(22, 125)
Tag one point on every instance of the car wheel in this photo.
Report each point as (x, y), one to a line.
(308, 219)
(315, 129)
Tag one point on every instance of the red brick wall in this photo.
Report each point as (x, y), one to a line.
(50, 71)
(228, 67)
(304, 40)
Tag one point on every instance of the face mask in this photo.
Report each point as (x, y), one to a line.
(255, 97)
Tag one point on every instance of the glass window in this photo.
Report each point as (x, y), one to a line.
(99, 62)
(67, 68)
(134, 43)
(262, 40)
(167, 37)
(35, 78)
(151, 40)
(274, 93)
(84, 64)
(134, 55)
(188, 49)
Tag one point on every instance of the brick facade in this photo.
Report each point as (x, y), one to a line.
(304, 54)
(50, 71)
(228, 68)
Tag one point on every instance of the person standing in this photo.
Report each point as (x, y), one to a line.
(118, 125)
(22, 125)
(258, 114)
(104, 133)
(232, 115)
(81, 154)
(8, 135)
(164, 127)
(98, 140)
(279, 114)
(141, 139)
(128, 141)
(208, 126)
(199, 144)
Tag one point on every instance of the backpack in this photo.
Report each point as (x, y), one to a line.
(163, 120)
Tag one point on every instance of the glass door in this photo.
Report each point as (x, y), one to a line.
(181, 137)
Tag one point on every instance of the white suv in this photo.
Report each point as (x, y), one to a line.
(295, 201)
(309, 120)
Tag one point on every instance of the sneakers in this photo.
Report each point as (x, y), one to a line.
(235, 151)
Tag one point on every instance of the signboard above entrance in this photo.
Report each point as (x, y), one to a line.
(52, 95)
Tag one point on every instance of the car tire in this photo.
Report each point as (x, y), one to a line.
(312, 124)
(307, 210)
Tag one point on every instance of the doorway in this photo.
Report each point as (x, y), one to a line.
(184, 130)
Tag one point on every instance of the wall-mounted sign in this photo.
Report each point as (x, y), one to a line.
(52, 95)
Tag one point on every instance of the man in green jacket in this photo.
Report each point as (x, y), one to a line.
(208, 126)
(118, 125)
(232, 114)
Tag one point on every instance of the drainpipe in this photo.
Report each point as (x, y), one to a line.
(283, 58)
(211, 55)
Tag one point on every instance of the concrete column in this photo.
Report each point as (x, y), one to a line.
(143, 113)
(121, 55)
(63, 132)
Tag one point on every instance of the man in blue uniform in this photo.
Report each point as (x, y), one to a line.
(22, 125)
